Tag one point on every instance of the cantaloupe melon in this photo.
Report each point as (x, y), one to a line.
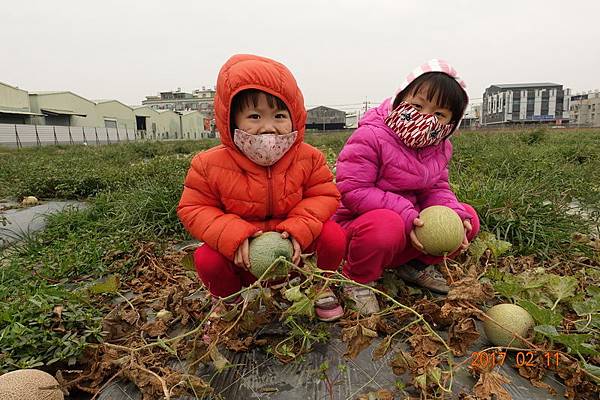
(265, 249)
(30, 384)
(508, 316)
(442, 231)
(30, 201)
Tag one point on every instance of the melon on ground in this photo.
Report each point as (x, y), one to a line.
(30, 201)
(442, 231)
(265, 249)
(30, 384)
(508, 319)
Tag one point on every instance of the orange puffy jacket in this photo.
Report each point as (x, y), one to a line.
(227, 198)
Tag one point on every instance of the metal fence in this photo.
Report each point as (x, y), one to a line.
(17, 135)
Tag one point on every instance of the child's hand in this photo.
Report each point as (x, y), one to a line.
(297, 249)
(241, 258)
(413, 237)
(465, 244)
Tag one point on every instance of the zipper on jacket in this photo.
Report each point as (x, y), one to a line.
(269, 194)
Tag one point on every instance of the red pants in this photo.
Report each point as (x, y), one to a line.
(377, 240)
(223, 278)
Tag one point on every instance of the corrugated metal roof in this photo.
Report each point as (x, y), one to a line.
(18, 112)
(56, 111)
(523, 85)
(48, 91)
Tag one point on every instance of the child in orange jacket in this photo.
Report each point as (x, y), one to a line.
(263, 177)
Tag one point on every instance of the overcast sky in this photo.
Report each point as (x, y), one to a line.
(341, 52)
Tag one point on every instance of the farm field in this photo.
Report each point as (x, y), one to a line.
(85, 293)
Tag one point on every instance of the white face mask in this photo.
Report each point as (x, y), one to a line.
(265, 149)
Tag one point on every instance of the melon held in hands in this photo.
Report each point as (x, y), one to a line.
(442, 231)
(265, 249)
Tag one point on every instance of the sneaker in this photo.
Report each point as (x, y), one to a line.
(327, 306)
(426, 276)
(364, 298)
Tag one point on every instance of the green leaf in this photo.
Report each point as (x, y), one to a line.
(107, 285)
(477, 248)
(576, 343)
(542, 316)
(499, 247)
(588, 324)
(487, 240)
(562, 287)
(593, 291)
(421, 381)
(303, 307)
(592, 369)
(587, 307)
(187, 262)
(509, 290)
(546, 330)
(294, 294)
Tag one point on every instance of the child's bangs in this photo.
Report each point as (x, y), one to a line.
(441, 89)
(249, 98)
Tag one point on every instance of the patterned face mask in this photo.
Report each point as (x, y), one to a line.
(265, 149)
(417, 129)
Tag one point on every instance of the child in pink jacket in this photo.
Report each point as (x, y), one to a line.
(393, 166)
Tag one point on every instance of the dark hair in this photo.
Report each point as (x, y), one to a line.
(246, 98)
(441, 89)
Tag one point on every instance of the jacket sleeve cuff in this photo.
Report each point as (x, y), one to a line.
(408, 217)
(298, 230)
(228, 245)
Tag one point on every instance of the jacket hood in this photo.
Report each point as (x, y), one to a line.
(246, 71)
(433, 65)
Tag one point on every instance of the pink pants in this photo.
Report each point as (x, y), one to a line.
(377, 240)
(223, 278)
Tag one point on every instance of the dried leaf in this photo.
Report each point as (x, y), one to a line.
(432, 313)
(402, 362)
(383, 348)
(470, 289)
(461, 335)
(219, 361)
(155, 328)
(423, 343)
(381, 394)
(490, 385)
(129, 315)
(359, 336)
(57, 311)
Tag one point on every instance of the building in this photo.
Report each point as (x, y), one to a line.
(169, 124)
(200, 99)
(325, 118)
(115, 114)
(64, 117)
(146, 120)
(192, 125)
(472, 117)
(585, 109)
(525, 103)
(206, 103)
(352, 119)
(63, 108)
(14, 105)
